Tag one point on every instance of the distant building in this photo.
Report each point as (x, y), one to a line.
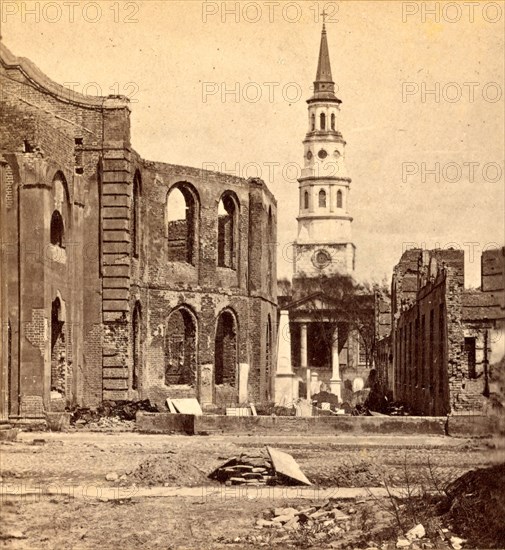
(123, 278)
(326, 352)
(443, 339)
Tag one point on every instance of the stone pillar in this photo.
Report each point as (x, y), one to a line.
(243, 380)
(303, 345)
(335, 382)
(309, 380)
(286, 383)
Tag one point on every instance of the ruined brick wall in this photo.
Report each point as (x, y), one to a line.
(493, 280)
(431, 371)
(48, 133)
(202, 289)
(116, 254)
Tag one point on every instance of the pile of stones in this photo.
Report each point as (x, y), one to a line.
(245, 470)
(321, 520)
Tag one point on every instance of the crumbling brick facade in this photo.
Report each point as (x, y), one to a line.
(436, 358)
(95, 269)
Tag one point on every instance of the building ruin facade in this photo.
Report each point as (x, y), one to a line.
(438, 342)
(123, 278)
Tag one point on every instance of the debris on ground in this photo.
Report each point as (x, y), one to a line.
(110, 415)
(278, 468)
(475, 507)
(168, 470)
(245, 470)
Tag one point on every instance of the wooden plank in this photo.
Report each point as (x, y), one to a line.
(286, 465)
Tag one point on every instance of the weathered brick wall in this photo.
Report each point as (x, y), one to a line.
(431, 372)
(47, 129)
(39, 125)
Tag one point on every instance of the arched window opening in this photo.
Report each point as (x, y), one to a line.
(333, 121)
(339, 199)
(313, 122)
(226, 232)
(225, 350)
(137, 189)
(136, 345)
(323, 121)
(181, 226)
(322, 198)
(306, 200)
(180, 348)
(57, 229)
(58, 351)
(268, 360)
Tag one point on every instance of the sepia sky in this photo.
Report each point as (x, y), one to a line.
(217, 87)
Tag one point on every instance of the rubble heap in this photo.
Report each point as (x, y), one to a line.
(110, 415)
(320, 520)
(245, 470)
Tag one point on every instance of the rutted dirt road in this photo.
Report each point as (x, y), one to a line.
(202, 520)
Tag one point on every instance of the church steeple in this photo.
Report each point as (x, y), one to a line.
(324, 87)
(324, 242)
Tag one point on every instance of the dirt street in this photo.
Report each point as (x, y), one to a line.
(56, 488)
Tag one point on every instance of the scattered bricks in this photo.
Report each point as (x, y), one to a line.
(284, 518)
(339, 515)
(320, 514)
(264, 523)
(292, 524)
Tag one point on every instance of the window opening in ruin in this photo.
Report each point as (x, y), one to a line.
(333, 121)
(441, 351)
(136, 225)
(322, 198)
(268, 360)
(470, 345)
(431, 372)
(306, 200)
(58, 351)
(181, 227)
(227, 226)
(57, 229)
(225, 350)
(136, 344)
(423, 351)
(323, 121)
(313, 122)
(27, 147)
(180, 348)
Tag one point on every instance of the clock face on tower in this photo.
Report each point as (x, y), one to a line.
(322, 154)
(321, 259)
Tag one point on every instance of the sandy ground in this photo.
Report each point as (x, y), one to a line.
(209, 515)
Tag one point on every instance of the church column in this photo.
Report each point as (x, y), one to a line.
(303, 345)
(335, 382)
(303, 357)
